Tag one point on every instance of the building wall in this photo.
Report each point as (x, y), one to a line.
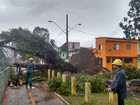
(73, 47)
(108, 49)
(63, 55)
(139, 55)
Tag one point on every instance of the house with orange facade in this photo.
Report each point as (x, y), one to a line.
(108, 49)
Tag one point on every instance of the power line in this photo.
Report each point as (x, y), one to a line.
(58, 35)
(77, 31)
(86, 32)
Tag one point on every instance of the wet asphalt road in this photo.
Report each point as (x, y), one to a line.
(40, 94)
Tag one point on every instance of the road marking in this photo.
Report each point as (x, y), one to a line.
(31, 98)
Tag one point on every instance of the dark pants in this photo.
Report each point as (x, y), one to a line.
(29, 78)
(120, 101)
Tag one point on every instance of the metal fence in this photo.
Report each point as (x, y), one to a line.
(4, 78)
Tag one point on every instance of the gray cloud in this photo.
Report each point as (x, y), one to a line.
(100, 17)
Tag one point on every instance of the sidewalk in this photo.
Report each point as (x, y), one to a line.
(38, 95)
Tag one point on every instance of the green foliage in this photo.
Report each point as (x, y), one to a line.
(24, 41)
(64, 89)
(96, 81)
(109, 75)
(57, 86)
(97, 84)
(54, 84)
(130, 24)
(131, 72)
(80, 83)
(15, 77)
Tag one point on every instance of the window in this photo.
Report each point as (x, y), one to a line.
(100, 61)
(108, 60)
(73, 45)
(100, 47)
(116, 46)
(116, 58)
(128, 60)
(128, 46)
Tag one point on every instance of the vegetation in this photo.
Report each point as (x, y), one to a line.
(97, 84)
(131, 72)
(131, 24)
(98, 99)
(34, 44)
(23, 41)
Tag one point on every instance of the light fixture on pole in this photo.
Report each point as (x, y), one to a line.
(67, 31)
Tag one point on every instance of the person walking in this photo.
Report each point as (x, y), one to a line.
(30, 69)
(119, 81)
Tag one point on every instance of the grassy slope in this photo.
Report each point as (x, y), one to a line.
(98, 99)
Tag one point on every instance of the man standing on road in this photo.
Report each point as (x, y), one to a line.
(30, 69)
(119, 81)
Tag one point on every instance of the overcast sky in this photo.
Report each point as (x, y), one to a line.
(98, 18)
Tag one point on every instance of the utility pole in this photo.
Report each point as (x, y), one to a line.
(66, 32)
(67, 43)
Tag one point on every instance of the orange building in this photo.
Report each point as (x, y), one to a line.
(108, 49)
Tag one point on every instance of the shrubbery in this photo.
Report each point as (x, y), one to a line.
(54, 84)
(97, 84)
(131, 72)
(109, 75)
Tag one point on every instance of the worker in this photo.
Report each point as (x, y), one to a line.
(30, 69)
(119, 81)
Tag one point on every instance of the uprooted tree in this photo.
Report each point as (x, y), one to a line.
(36, 43)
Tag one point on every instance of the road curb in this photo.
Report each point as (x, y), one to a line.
(61, 98)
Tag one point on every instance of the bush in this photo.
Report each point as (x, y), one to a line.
(131, 72)
(57, 86)
(64, 89)
(97, 85)
(109, 75)
(54, 84)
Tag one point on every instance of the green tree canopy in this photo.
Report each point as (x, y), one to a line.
(36, 43)
(131, 23)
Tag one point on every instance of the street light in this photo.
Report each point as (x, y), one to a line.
(67, 31)
(74, 27)
(56, 25)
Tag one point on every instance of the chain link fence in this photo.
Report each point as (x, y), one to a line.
(4, 78)
(5, 71)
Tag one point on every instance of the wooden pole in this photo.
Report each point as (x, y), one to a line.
(58, 75)
(113, 98)
(73, 85)
(53, 74)
(64, 78)
(49, 74)
(88, 92)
